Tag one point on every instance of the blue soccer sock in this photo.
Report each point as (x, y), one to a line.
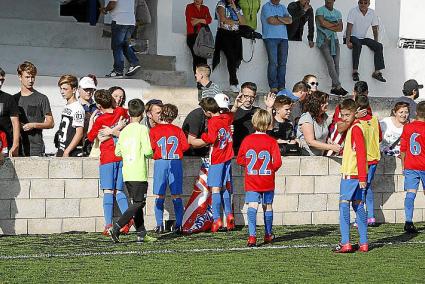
(268, 222)
(361, 221)
(227, 201)
(216, 205)
(178, 211)
(344, 222)
(409, 203)
(369, 201)
(122, 201)
(159, 211)
(108, 207)
(252, 221)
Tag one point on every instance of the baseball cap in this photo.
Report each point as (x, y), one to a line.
(222, 100)
(288, 93)
(87, 83)
(411, 85)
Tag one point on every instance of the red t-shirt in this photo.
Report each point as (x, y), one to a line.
(412, 142)
(193, 12)
(220, 136)
(259, 154)
(168, 142)
(107, 148)
(3, 143)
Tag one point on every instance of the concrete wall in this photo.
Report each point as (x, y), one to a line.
(40, 195)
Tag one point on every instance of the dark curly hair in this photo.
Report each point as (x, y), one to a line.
(313, 104)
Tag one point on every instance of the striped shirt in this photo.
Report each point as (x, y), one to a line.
(210, 90)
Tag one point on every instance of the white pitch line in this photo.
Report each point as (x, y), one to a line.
(204, 250)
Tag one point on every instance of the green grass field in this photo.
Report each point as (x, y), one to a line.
(299, 254)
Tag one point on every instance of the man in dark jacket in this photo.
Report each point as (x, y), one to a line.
(301, 12)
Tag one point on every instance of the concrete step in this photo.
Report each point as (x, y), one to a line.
(21, 9)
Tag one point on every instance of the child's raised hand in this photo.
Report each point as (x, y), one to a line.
(269, 100)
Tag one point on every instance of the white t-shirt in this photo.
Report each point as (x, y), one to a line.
(72, 117)
(123, 13)
(361, 23)
(390, 134)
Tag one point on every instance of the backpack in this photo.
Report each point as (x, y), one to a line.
(204, 43)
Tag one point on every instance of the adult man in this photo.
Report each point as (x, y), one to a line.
(207, 87)
(122, 26)
(9, 118)
(411, 93)
(359, 20)
(34, 112)
(274, 18)
(153, 113)
(301, 13)
(328, 23)
(193, 126)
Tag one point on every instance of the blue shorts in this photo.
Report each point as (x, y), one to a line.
(265, 197)
(111, 176)
(412, 178)
(350, 190)
(371, 173)
(168, 173)
(219, 174)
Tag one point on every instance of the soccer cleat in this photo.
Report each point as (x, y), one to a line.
(252, 241)
(230, 222)
(363, 248)
(114, 233)
(126, 228)
(347, 248)
(159, 230)
(105, 230)
(178, 230)
(371, 222)
(268, 239)
(132, 70)
(145, 239)
(410, 228)
(114, 74)
(216, 225)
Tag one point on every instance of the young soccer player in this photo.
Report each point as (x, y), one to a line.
(373, 136)
(220, 173)
(71, 127)
(259, 154)
(135, 148)
(110, 168)
(412, 148)
(168, 143)
(354, 179)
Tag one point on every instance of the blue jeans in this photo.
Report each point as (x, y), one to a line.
(120, 46)
(277, 52)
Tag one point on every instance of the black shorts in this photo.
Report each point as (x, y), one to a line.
(137, 190)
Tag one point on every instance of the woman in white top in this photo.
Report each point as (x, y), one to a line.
(392, 127)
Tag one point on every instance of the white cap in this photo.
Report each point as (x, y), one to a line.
(87, 83)
(222, 100)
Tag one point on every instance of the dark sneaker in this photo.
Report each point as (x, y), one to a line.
(178, 230)
(347, 248)
(341, 92)
(114, 233)
(252, 241)
(132, 70)
(114, 74)
(356, 76)
(410, 228)
(159, 230)
(378, 76)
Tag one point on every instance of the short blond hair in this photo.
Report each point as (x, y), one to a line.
(204, 69)
(261, 120)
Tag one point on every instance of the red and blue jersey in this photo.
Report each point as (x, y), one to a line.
(220, 136)
(107, 148)
(168, 142)
(412, 143)
(260, 155)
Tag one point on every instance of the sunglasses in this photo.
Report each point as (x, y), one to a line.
(314, 84)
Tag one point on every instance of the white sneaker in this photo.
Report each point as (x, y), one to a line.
(132, 70)
(234, 88)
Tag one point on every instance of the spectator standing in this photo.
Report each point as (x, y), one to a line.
(228, 39)
(359, 20)
(86, 88)
(328, 23)
(9, 119)
(207, 87)
(313, 127)
(392, 127)
(274, 18)
(122, 26)
(197, 15)
(301, 13)
(34, 112)
(250, 10)
(411, 93)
